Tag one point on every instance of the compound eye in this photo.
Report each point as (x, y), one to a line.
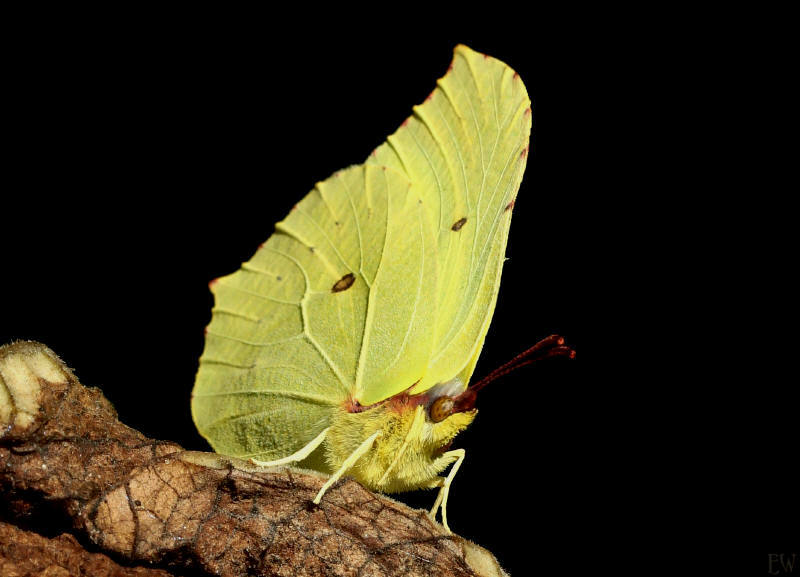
(440, 409)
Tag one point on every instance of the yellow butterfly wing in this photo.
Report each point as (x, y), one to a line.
(384, 276)
(465, 148)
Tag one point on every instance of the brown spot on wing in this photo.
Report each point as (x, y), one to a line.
(344, 283)
(459, 223)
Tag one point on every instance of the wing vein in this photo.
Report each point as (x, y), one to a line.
(434, 171)
(304, 316)
(255, 343)
(358, 231)
(402, 347)
(289, 233)
(365, 335)
(456, 147)
(300, 396)
(327, 238)
(257, 295)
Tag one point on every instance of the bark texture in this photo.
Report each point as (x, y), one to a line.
(80, 489)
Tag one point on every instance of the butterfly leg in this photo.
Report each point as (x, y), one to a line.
(296, 456)
(348, 462)
(456, 455)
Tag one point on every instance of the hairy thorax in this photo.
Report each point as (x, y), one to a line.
(407, 455)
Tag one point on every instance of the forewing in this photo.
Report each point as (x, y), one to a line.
(465, 149)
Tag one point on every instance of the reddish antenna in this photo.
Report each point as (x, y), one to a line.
(548, 348)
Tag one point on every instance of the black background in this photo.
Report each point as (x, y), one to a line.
(147, 159)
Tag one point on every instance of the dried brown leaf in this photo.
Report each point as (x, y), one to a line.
(27, 553)
(66, 459)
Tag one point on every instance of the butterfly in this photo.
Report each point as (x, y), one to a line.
(347, 342)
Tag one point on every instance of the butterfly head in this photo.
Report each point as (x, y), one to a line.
(447, 399)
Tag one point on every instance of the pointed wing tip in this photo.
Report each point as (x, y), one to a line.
(469, 53)
(466, 52)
